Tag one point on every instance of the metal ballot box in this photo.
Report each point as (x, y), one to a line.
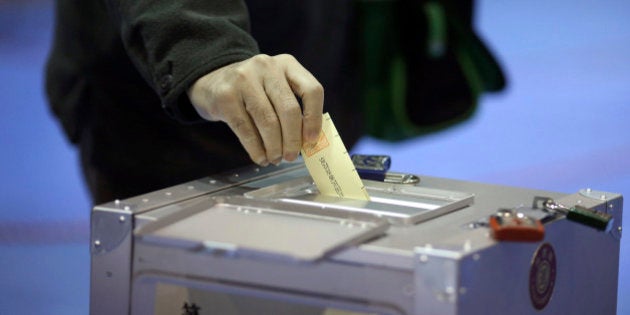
(267, 239)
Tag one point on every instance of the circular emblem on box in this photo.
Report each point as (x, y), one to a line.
(542, 276)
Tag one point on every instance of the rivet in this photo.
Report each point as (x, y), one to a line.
(121, 218)
(235, 175)
(476, 257)
(213, 181)
(467, 246)
(145, 200)
(257, 170)
(168, 193)
(191, 187)
(117, 201)
(97, 243)
(424, 258)
(126, 208)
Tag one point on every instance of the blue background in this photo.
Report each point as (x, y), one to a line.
(562, 125)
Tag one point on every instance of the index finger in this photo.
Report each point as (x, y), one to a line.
(306, 86)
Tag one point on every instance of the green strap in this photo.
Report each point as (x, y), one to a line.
(384, 69)
(436, 32)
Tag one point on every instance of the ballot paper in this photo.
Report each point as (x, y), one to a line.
(330, 165)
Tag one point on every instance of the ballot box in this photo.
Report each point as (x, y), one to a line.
(264, 241)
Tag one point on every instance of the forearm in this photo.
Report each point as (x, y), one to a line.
(173, 43)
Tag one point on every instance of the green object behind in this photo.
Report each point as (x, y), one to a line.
(423, 67)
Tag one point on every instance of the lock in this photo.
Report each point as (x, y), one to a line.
(513, 226)
(376, 167)
(596, 219)
(372, 167)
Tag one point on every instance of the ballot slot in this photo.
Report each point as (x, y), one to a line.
(400, 204)
(236, 226)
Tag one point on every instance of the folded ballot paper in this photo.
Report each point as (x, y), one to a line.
(330, 165)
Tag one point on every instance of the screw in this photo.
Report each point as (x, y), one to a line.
(424, 258)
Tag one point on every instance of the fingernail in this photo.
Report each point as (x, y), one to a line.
(290, 156)
(313, 138)
(263, 162)
(276, 161)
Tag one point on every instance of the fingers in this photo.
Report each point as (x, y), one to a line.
(256, 98)
(218, 96)
(265, 119)
(288, 113)
(304, 84)
(247, 134)
(229, 108)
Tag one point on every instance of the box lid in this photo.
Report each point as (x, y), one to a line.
(271, 229)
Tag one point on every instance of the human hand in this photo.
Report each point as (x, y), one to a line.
(257, 99)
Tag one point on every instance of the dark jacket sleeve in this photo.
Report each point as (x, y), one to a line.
(173, 43)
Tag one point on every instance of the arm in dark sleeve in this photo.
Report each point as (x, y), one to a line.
(173, 43)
